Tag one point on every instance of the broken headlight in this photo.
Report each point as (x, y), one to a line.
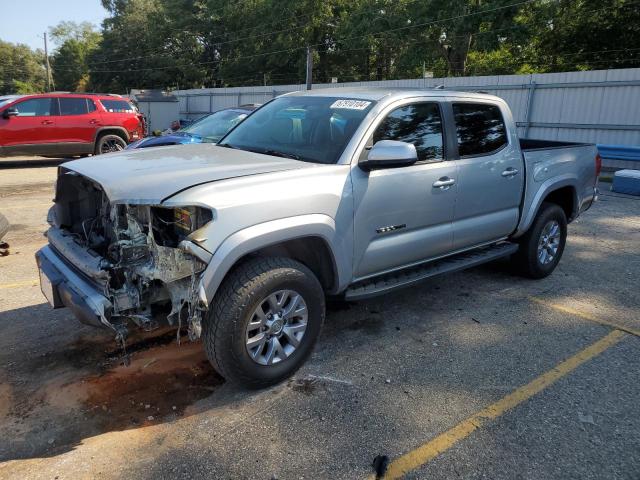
(174, 224)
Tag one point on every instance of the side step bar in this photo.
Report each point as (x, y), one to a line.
(410, 276)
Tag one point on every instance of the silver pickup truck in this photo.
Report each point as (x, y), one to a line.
(344, 193)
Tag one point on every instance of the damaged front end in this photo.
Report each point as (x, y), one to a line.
(114, 264)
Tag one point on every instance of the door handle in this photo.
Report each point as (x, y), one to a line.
(510, 172)
(47, 122)
(444, 183)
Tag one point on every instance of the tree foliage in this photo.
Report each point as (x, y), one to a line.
(70, 61)
(21, 69)
(212, 43)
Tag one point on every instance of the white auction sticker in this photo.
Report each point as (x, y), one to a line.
(351, 104)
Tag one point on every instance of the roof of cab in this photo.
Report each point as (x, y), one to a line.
(378, 93)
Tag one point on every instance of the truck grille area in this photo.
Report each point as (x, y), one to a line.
(127, 250)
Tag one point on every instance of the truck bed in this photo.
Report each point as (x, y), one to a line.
(549, 163)
(529, 144)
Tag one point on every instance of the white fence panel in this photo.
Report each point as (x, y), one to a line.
(600, 106)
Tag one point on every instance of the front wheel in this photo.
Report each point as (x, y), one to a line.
(264, 321)
(542, 246)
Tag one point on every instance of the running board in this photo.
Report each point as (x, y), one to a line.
(410, 276)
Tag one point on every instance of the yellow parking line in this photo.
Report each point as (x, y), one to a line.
(19, 284)
(428, 451)
(586, 316)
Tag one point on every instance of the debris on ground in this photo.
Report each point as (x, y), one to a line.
(4, 226)
(586, 418)
(380, 465)
(306, 385)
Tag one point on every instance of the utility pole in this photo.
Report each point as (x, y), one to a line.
(46, 60)
(309, 68)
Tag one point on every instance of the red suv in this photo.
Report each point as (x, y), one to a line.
(67, 124)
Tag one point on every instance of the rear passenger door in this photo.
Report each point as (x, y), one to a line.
(490, 173)
(77, 121)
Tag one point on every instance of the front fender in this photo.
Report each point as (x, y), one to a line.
(267, 234)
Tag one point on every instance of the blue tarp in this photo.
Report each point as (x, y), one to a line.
(619, 152)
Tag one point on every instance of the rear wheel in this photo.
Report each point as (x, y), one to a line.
(542, 246)
(264, 321)
(110, 143)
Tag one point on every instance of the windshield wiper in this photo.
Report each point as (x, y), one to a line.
(228, 145)
(276, 153)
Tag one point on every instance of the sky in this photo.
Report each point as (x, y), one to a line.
(24, 21)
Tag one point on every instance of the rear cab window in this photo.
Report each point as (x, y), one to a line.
(117, 106)
(480, 129)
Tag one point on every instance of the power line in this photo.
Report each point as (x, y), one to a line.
(236, 40)
(380, 12)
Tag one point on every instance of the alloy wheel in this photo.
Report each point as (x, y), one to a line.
(276, 327)
(549, 242)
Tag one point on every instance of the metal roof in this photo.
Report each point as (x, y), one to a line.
(153, 96)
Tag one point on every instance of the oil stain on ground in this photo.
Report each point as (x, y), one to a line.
(85, 390)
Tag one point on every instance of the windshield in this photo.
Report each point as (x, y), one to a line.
(312, 129)
(5, 100)
(213, 127)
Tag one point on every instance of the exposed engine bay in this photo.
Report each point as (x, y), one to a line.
(140, 256)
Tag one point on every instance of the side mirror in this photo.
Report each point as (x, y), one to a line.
(390, 154)
(10, 112)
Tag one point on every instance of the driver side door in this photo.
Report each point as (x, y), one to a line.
(31, 130)
(404, 215)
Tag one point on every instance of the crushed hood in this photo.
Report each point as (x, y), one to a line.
(149, 176)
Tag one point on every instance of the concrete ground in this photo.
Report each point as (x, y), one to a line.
(481, 374)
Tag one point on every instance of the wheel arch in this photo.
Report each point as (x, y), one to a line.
(112, 130)
(309, 239)
(561, 192)
(566, 198)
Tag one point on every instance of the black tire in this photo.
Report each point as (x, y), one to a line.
(527, 260)
(109, 143)
(246, 288)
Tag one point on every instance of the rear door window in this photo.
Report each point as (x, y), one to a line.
(419, 124)
(117, 106)
(35, 107)
(480, 129)
(73, 106)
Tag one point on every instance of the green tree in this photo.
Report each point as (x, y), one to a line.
(212, 43)
(21, 69)
(150, 44)
(581, 34)
(70, 61)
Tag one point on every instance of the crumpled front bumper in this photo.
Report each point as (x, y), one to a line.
(64, 287)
